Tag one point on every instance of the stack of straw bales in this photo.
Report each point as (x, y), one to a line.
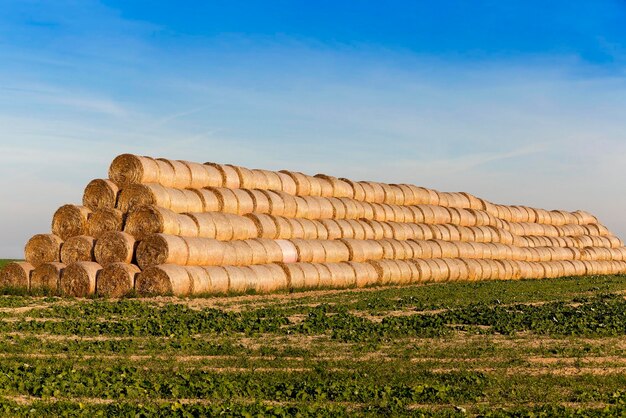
(159, 226)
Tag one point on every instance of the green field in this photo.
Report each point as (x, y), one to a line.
(524, 348)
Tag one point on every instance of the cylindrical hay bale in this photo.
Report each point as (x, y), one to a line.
(181, 174)
(287, 183)
(440, 232)
(342, 275)
(117, 280)
(377, 228)
(339, 209)
(326, 187)
(422, 273)
(584, 218)
(247, 178)
(16, 275)
(324, 274)
(217, 281)
(466, 234)
(270, 250)
(336, 251)
(170, 249)
(166, 279)
(243, 253)
(474, 269)
(265, 225)
(346, 228)
(79, 279)
(389, 192)
(208, 199)
(397, 213)
(260, 202)
(357, 189)
(104, 220)
(359, 231)
(243, 227)
(70, 221)
(79, 248)
(228, 202)
(273, 180)
(326, 207)
(100, 194)
(203, 175)
(245, 204)
(454, 268)
(290, 204)
(301, 207)
(295, 275)
(368, 231)
(297, 231)
(338, 188)
(448, 249)
(131, 169)
(377, 193)
(365, 274)
(311, 275)
(43, 248)
(308, 207)
(136, 195)
(453, 230)
(115, 247)
(304, 251)
(200, 282)
(301, 181)
(557, 218)
(230, 178)
(310, 229)
(284, 229)
(378, 212)
(277, 204)
(269, 278)
(322, 232)
(47, 277)
(385, 270)
(389, 250)
(332, 228)
(288, 250)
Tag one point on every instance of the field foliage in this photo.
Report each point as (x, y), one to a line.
(523, 348)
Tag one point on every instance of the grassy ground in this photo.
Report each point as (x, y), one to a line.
(545, 347)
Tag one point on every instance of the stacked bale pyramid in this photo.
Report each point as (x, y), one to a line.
(160, 226)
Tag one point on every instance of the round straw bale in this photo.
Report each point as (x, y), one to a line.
(311, 273)
(397, 213)
(180, 173)
(259, 254)
(218, 281)
(365, 274)
(343, 276)
(202, 252)
(347, 231)
(209, 200)
(79, 248)
(265, 225)
(339, 208)
(322, 232)
(435, 249)
(368, 231)
(448, 249)
(268, 279)
(261, 203)
(474, 269)
(424, 273)
(182, 201)
(166, 279)
(378, 231)
(230, 178)
(311, 208)
(454, 268)
(297, 231)
(336, 251)
(441, 273)
(389, 194)
(357, 189)
(288, 185)
(359, 232)
(340, 188)
(271, 249)
(199, 280)
(16, 274)
(136, 195)
(378, 212)
(326, 207)
(117, 280)
(241, 279)
(243, 227)
(284, 229)
(205, 226)
(356, 249)
(203, 175)
(302, 184)
(310, 229)
(333, 229)
(274, 181)
(290, 204)
(228, 202)
(324, 275)
(114, 247)
(245, 204)
(70, 220)
(387, 270)
(295, 275)
(326, 186)
(243, 253)
(277, 204)
(584, 218)
(130, 169)
(387, 248)
(79, 279)
(302, 207)
(315, 185)
(47, 277)
(100, 194)
(43, 248)
(247, 177)
(224, 230)
(453, 230)
(104, 220)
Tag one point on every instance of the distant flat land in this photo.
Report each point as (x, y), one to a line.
(503, 348)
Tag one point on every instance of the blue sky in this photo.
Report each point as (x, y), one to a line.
(517, 102)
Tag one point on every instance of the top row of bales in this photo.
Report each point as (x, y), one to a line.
(126, 170)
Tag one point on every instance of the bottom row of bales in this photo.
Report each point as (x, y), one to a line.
(84, 279)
